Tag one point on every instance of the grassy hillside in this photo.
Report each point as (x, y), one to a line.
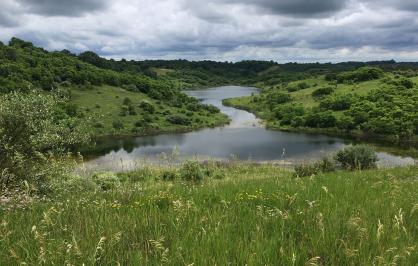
(384, 106)
(238, 214)
(115, 97)
(109, 114)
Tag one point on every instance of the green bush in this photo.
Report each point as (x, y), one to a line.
(127, 101)
(107, 180)
(357, 157)
(322, 92)
(169, 175)
(35, 136)
(141, 174)
(117, 125)
(147, 107)
(360, 74)
(191, 171)
(306, 169)
(179, 120)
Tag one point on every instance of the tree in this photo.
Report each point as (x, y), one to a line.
(34, 133)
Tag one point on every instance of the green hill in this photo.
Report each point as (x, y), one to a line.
(365, 102)
(111, 101)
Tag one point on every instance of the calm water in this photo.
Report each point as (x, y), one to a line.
(244, 139)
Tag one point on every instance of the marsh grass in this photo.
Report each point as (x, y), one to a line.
(254, 215)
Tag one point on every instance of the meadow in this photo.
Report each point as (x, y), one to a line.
(237, 214)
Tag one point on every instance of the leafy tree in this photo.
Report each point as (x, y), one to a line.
(34, 132)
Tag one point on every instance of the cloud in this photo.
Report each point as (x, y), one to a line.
(299, 8)
(63, 7)
(285, 30)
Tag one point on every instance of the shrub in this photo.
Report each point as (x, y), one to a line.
(107, 180)
(35, 136)
(322, 92)
(361, 74)
(141, 174)
(306, 169)
(147, 107)
(179, 120)
(297, 87)
(117, 125)
(191, 171)
(169, 175)
(357, 157)
(338, 103)
(127, 101)
(278, 98)
(326, 164)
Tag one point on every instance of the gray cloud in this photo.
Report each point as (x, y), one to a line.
(63, 7)
(6, 20)
(299, 8)
(285, 30)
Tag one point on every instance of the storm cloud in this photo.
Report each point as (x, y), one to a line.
(63, 7)
(287, 30)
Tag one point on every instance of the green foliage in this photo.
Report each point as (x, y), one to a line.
(357, 157)
(147, 107)
(287, 113)
(275, 97)
(325, 165)
(117, 125)
(318, 119)
(297, 87)
(107, 180)
(179, 120)
(320, 92)
(306, 169)
(338, 102)
(34, 133)
(169, 175)
(359, 75)
(191, 171)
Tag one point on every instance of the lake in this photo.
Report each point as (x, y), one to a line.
(244, 139)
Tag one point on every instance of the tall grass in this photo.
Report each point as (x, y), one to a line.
(255, 215)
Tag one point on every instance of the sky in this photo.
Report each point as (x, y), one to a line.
(222, 30)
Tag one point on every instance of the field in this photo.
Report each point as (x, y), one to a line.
(103, 106)
(243, 215)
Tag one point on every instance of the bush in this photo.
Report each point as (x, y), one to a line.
(191, 171)
(141, 174)
(147, 107)
(117, 125)
(357, 157)
(322, 92)
(361, 74)
(169, 175)
(35, 136)
(297, 87)
(309, 169)
(127, 101)
(107, 180)
(278, 98)
(338, 103)
(306, 169)
(179, 120)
